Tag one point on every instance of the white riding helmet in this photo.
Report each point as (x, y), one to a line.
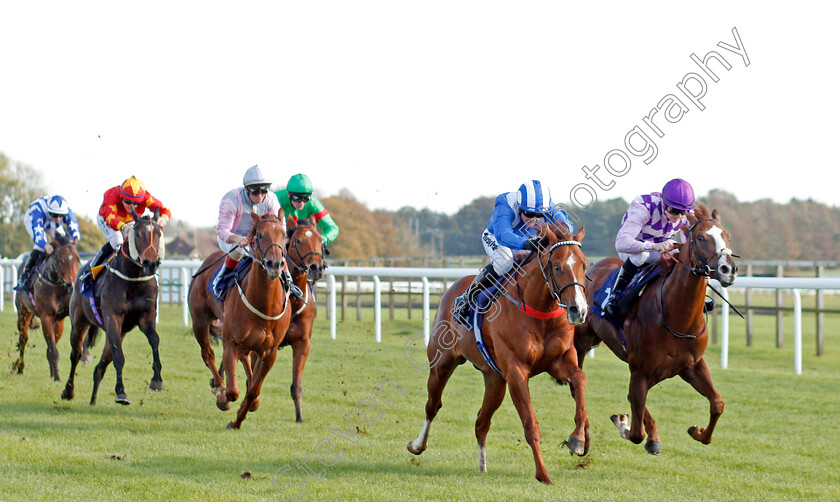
(57, 205)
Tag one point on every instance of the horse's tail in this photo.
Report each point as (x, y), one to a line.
(92, 335)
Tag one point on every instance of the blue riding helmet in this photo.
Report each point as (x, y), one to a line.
(533, 196)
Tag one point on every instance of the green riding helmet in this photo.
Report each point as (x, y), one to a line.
(299, 183)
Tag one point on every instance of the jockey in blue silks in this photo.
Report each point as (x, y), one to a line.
(515, 225)
(45, 217)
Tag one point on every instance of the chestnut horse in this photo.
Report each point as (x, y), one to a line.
(50, 301)
(126, 291)
(255, 316)
(665, 330)
(306, 256)
(521, 344)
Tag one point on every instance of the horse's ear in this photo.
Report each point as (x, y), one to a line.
(134, 214)
(281, 215)
(580, 234)
(290, 225)
(254, 217)
(716, 215)
(157, 213)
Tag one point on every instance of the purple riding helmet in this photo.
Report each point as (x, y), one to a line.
(678, 194)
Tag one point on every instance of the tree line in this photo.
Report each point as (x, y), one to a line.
(800, 229)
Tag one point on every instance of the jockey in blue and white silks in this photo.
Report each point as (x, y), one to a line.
(45, 217)
(647, 228)
(514, 225)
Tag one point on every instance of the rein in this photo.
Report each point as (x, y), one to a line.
(254, 309)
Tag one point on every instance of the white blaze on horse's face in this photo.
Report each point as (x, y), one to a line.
(308, 233)
(726, 268)
(580, 297)
(716, 233)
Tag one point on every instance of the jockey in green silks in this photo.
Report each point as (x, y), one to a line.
(300, 204)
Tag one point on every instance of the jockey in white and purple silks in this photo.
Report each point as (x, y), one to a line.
(514, 225)
(647, 228)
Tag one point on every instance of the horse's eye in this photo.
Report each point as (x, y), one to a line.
(557, 268)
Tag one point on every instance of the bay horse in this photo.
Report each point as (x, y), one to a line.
(255, 317)
(126, 291)
(524, 340)
(49, 300)
(665, 330)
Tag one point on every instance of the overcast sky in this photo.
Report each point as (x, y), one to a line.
(428, 104)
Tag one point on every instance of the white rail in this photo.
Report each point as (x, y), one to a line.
(8, 272)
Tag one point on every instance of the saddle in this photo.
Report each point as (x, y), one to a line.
(624, 299)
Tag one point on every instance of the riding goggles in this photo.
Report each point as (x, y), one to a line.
(674, 210)
(530, 214)
(299, 197)
(257, 190)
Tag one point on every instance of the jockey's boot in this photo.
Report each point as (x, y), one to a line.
(709, 305)
(486, 277)
(101, 257)
(217, 281)
(628, 270)
(26, 274)
(289, 284)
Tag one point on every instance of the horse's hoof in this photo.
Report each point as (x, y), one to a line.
(413, 450)
(255, 405)
(623, 425)
(232, 425)
(18, 367)
(575, 446)
(156, 385)
(67, 395)
(224, 406)
(86, 358)
(653, 447)
(122, 399)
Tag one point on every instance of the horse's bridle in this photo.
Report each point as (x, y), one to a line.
(255, 244)
(549, 279)
(133, 249)
(54, 269)
(702, 269)
(301, 263)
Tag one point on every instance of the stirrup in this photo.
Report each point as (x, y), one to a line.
(709, 305)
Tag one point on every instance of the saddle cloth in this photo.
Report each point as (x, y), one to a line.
(227, 281)
(626, 298)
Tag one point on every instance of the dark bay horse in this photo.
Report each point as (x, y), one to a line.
(306, 259)
(255, 316)
(665, 330)
(50, 301)
(126, 291)
(521, 344)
